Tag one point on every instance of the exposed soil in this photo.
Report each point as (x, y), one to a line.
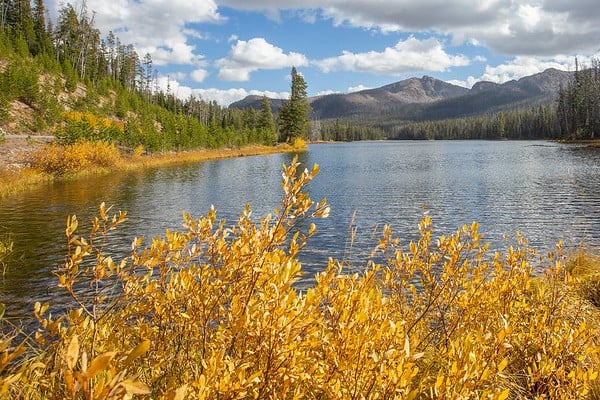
(16, 150)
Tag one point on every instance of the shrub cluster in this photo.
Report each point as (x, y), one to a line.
(61, 159)
(85, 126)
(212, 312)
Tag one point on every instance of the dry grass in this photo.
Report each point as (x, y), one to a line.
(137, 161)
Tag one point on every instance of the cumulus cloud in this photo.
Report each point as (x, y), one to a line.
(522, 66)
(223, 97)
(246, 57)
(199, 75)
(358, 88)
(411, 55)
(519, 27)
(326, 92)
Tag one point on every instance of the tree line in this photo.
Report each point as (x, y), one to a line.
(43, 59)
(578, 105)
(532, 123)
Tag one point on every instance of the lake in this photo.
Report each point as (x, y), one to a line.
(545, 190)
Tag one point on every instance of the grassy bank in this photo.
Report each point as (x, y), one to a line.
(54, 162)
(212, 311)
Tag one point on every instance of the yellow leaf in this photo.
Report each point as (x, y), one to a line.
(504, 395)
(438, 383)
(72, 352)
(135, 387)
(139, 351)
(502, 365)
(99, 364)
(180, 393)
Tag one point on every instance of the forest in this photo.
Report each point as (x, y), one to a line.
(112, 94)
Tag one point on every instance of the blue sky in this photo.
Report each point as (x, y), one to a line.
(224, 50)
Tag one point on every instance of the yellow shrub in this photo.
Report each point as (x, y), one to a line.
(299, 144)
(138, 151)
(212, 312)
(58, 159)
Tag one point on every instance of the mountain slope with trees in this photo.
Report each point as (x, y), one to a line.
(425, 108)
(62, 78)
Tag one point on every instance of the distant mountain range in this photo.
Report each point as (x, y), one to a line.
(427, 98)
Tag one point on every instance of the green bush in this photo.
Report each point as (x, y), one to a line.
(20, 81)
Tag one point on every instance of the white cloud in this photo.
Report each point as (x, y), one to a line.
(411, 55)
(199, 75)
(246, 57)
(522, 66)
(358, 88)
(223, 97)
(468, 83)
(326, 92)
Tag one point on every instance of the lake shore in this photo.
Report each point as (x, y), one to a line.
(17, 152)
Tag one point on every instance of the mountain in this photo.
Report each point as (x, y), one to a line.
(254, 101)
(428, 98)
(489, 97)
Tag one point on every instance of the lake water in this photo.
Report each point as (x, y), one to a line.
(547, 191)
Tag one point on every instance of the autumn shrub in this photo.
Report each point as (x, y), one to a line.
(138, 151)
(212, 311)
(585, 266)
(299, 144)
(61, 159)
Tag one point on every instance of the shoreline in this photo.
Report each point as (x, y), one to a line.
(17, 175)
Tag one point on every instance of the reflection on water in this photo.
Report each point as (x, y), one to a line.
(545, 190)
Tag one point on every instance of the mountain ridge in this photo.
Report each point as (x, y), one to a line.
(428, 98)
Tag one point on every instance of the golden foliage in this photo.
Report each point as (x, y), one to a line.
(59, 159)
(212, 311)
(299, 144)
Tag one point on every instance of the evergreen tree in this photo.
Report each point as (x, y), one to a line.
(294, 113)
(578, 105)
(43, 43)
(265, 119)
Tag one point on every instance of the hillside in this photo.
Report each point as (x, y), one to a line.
(427, 98)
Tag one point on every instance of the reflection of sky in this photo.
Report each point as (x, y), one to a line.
(547, 191)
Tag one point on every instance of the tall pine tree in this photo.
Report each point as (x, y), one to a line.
(294, 114)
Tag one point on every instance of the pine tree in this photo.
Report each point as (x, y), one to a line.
(266, 121)
(294, 113)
